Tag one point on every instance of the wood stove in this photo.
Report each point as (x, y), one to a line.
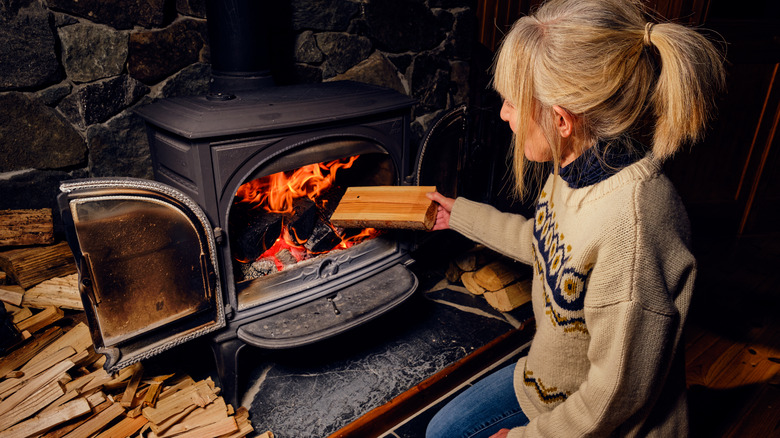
(163, 262)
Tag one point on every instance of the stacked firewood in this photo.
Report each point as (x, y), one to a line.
(53, 385)
(52, 382)
(505, 285)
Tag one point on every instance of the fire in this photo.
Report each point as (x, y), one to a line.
(275, 194)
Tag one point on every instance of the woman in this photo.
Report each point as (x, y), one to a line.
(582, 81)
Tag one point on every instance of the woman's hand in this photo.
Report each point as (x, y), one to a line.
(443, 211)
(500, 434)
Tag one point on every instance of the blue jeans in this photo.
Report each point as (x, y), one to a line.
(480, 411)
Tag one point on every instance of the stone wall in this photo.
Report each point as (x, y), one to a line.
(71, 72)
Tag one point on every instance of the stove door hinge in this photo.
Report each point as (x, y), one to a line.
(219, 236)
(228, 311)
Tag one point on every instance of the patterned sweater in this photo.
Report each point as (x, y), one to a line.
(613, 281)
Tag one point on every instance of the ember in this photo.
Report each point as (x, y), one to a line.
(284, 218)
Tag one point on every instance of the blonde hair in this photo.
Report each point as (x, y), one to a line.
(602, 62)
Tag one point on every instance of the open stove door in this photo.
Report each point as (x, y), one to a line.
(147, 262)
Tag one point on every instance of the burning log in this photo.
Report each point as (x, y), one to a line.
(302, 220)
(259, 234)
(323, 238)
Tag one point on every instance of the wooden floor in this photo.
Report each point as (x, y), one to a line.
(732, 350)
(733, 341)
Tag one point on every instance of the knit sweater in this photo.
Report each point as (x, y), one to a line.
(613, 278)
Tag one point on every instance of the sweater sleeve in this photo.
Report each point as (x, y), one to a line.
(508, 233)
(637, 299)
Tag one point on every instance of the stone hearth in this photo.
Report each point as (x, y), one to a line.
(316, 390)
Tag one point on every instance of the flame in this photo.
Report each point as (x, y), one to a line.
(276, 193)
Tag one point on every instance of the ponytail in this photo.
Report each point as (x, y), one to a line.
(683, 99)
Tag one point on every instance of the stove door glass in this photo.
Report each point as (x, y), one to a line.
(146, 264)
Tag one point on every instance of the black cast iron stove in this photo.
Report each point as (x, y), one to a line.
(163, 262)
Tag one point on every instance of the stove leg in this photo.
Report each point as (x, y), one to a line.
(226, 357)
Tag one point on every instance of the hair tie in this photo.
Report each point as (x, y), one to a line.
(648, 28)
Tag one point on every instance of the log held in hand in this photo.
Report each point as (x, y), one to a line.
(401, 207)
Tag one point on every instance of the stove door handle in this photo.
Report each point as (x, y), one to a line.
(86, 276)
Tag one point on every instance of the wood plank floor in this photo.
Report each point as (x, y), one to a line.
(733, 342)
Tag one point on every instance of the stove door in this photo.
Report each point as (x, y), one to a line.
(147, 262)
(464, 153)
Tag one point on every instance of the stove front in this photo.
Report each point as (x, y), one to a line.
(233, 237)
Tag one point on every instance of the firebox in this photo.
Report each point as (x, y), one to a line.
(232, 239)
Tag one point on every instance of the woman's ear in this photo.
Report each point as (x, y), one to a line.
(564, 121)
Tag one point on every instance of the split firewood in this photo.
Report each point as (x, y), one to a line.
(155, 390)
(12, 294)
(62, 292)
(17, 358)
(3, 276)
(471, 285)
(95, 423)
(120, 378)
(26, 227)
(32, 404)
(42, 319)
(30, 266)
(453, 273)
(510, 297)
(497, 275)
(194, 419)
(125, 428)
(404, 207)
(42, 422)
(33, 369)
(213, 430)
(21, 314)
(164, 427)
(132, 385)
(70, 426)
(77, 337)
(100, 378)
(68, 401)
(469, 261)
(34, 385)
(245, 426)
(200, 394)
(475, 258)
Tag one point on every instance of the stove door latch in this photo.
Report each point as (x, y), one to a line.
(219, 236)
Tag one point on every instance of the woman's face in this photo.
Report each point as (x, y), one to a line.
(536, 146)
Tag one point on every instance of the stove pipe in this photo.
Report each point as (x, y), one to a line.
(239, 46)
